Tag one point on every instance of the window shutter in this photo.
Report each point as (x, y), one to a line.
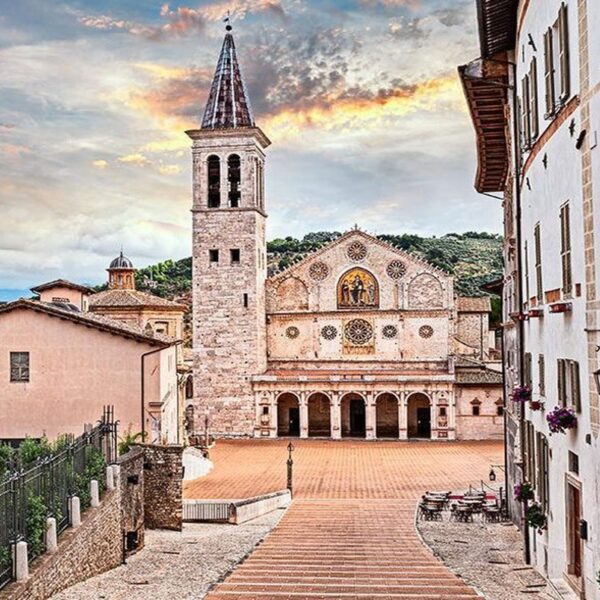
(560, 365)
(533, 97)
(549, 72)
(563, 50)
(526, 110)
(542, 375)
(575, 386)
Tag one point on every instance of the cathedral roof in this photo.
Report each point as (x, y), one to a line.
(228, 105)
(127, 298)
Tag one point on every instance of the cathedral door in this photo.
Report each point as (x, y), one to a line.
(294, 430)
(357, 418)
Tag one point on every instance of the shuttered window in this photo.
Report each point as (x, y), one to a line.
(543, 471)
(526, 113)
(534, 127)
(539, 291)
(565, 249)
(541, 375)
(563, 52)
(569, 385)
(526, 252)
(527, 378)
(549, 73)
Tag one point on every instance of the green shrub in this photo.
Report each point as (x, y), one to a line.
(37, 512)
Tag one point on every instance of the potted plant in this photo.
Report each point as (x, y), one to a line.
(535, 405)
(560, 419)
(523, 492)
(535, 517)
(521, 394)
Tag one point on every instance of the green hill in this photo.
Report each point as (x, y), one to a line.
(473, 258)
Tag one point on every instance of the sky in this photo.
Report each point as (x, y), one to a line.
(360, 98)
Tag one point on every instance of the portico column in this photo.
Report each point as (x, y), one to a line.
(303, 414)
(451, 415)
(274, 414)
(402, 416)
(371, 416)
(336, 417)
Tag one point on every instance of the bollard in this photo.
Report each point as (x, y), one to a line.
(75, 506)
(110, 478)
(94, 494)
(116, 469)
(21, 561)
(51, 539)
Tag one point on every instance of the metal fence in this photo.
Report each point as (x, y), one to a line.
(29, 494)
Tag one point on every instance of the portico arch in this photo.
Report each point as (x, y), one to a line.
(288, 415)
(319, 415)
(354, 422)
(418, 408)
(387, 425)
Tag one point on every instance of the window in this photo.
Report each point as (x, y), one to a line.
(527, 376)
(534, 127)
(235, 256)
(245, 300)
(19, 367)
(541, 375)
(565, 249)
(476, 410)
(499, 410)
(442, 411)
(526, 252)
(557, 75)
(573, 463)
(162, 327)
(525, 113)
(189, 387)
(569, 391)
(530, 461)
(213, 256)
(539, 287)
(214, 181)
(265, 410)
(234, 180)
(543, 476)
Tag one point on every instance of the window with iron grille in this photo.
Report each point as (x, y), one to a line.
(539, 284)
(19, 367)
(565, 249)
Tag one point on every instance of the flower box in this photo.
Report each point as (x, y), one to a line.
(561, 419)
(523, 492)
(536, 518)
(521, 394)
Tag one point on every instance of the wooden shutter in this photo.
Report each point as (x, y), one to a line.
(549, 72)
(526, 111)
(542, 375)
(575, 386)
(527, 374)
(565, 249)
(538, 264)
(560, 365)
(563, 52)
(533, 100)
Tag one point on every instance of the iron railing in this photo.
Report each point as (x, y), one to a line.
(30, 494)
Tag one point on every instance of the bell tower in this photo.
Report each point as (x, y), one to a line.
(229, 253)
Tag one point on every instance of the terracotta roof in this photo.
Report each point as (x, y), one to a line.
(131, 298)
(91, 320)
(485, 85)
(473, 304)
(62, 283)
(228, 106)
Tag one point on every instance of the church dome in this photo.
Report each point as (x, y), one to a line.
(121, 262)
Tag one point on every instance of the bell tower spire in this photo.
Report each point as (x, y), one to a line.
(229, 258)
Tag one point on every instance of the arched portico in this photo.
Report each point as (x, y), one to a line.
(387, 425)
(418, 409)
(354, 418)
(319, 415)
(288, 415)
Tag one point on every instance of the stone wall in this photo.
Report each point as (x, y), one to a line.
(162, 487)
(93, 548)
(132, 499)
(488, 425)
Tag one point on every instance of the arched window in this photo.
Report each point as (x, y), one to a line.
(214, 181)
(234, 177)
(189, 387)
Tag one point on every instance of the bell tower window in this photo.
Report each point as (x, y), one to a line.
(234, 178)
(214, 181)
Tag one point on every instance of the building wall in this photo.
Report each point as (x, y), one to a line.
(167, 322)
(74, 371)
(488, 424)
(65, 294)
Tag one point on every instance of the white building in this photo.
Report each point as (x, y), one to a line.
(537, 84)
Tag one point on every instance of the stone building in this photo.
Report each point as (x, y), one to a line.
(534, 96)
(359, 339)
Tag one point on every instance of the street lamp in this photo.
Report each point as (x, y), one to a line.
(492, 474)
(290, 466)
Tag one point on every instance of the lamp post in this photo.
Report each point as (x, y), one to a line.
(290, 468)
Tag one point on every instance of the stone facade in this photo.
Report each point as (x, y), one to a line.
(132, 499)
(163, 487)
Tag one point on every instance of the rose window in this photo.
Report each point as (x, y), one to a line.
(426, 331)
(390, 331)
(396, 269)
(358, 332)
(356, 251)
(329, 332)
(292, 332)
(318, 271)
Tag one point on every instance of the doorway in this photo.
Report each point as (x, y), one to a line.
(419, 416)
(574, 541)
(288, 415)
(353, 416)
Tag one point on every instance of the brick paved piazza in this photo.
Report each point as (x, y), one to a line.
(349, 533)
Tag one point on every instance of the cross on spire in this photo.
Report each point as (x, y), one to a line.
(228, 105)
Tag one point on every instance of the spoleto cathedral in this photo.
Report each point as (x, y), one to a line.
(359, 339)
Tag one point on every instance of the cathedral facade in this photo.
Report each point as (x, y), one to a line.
(359, 339)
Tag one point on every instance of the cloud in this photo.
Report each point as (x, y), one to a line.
(135, 159)
(100, 164)
(410, 4)
(15, 151)
(169, 169)
(238, 9)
